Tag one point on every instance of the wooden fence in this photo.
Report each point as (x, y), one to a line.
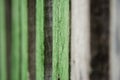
(59, 40)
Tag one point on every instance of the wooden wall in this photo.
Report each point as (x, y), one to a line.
(56, 40)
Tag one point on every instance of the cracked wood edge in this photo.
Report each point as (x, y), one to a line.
(80, 40)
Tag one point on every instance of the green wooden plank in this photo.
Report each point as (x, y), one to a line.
(24, 39)
(39, 39)
(60, 40)
(2, 42)
(15, 49)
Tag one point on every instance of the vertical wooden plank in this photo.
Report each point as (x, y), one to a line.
(15, 49)
(39, 39)
(115, 40)
(2, 42)
(24, 40)
(80, 48)
(60, 62)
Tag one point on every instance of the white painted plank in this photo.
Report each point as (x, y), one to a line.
(80, 41)
(115, 40)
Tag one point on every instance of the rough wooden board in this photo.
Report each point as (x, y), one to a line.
(23, 40)
(60, 56)
(80, 34)
(3, 74)
(15, 53)
(39, 39)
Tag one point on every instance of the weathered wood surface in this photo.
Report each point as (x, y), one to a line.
(60, 56)
(115, 40)
(80, 34)
(99, 39)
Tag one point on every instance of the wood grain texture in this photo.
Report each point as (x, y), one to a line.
(80, 34)
(60, 56)
(15, 46)
(40, 40)
(3, 74)
(115, 40)
(23, 40)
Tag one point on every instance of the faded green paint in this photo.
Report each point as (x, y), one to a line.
(60, 40)
(24, 40)
(39, 39)
(15, 47)
(2, 42)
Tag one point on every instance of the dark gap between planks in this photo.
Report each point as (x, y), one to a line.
(99, 19)
(70, 21)
(8, 35)
(31, 38)
(48, 39)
